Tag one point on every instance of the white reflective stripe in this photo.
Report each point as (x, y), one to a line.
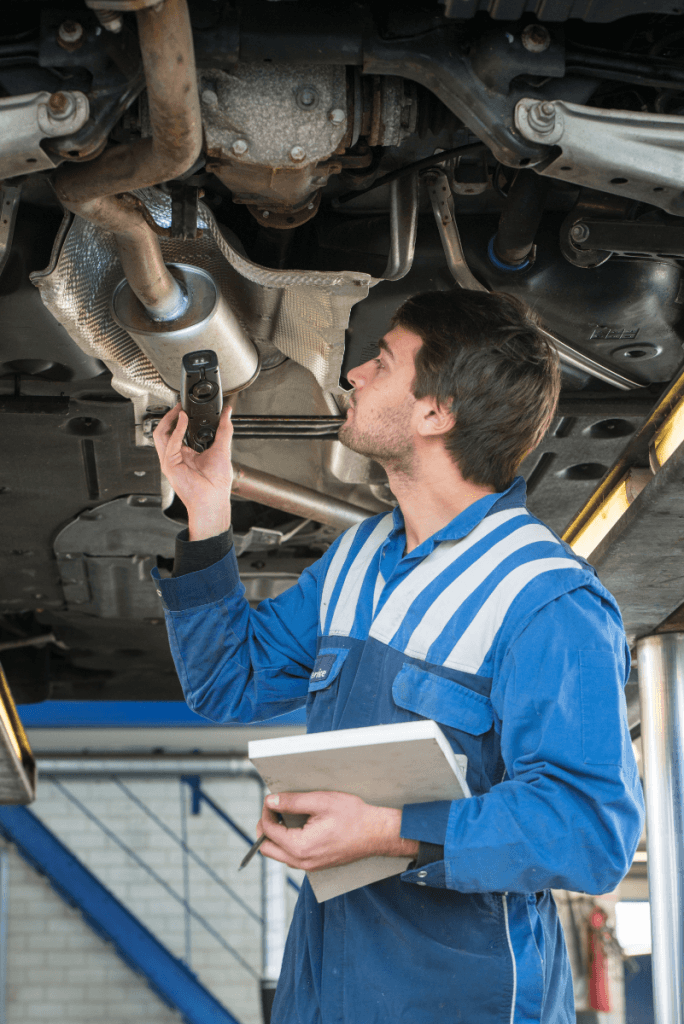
(379, 584)
(392, 615)
(345, 609)
(511, 1019)
(334, 570)
(452, 597)
(475, 641)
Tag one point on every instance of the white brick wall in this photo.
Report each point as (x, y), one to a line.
(57, 963)
(59, 970)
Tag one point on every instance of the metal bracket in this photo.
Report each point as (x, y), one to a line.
(256, 539)
(629, 237)
(184, 199)
(26, 120)
(627, 153)
(261, 539)
(442, 201)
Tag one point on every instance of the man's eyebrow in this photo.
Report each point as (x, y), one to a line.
(384, 347)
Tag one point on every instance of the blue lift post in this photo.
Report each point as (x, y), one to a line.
(175, 984)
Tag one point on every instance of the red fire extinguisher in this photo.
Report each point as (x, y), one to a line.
(599, 993)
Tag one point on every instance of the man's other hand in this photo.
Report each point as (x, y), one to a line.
(202, 480)
(340, 829)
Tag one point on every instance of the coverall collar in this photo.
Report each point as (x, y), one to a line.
(462, 524)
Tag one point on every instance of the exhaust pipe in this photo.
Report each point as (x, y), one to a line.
(295, 499)
(93, 190)
(168, 310)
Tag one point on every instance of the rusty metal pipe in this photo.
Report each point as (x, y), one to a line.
(93, 190)
(270, 490)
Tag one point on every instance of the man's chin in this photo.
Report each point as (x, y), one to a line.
(346, 437)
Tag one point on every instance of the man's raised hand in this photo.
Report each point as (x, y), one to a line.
(202, 480)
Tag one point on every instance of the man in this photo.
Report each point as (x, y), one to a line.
(459, 607)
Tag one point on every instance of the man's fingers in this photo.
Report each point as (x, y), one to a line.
(164, 427)
(275, 852)
(224, 433)
(175, 440)
(301, 803)
(279, 845)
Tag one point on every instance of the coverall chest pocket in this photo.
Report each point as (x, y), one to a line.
(465, 717)
(323, 682)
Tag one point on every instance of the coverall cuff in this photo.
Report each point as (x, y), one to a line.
(207, 586)
(426, 822)
(193, 555)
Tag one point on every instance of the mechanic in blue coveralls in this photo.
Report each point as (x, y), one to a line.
(458, 606)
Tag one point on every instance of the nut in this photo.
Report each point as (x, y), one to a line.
(579, 232)
(70, 35)
(542, 117)
(240, 146)
(337, 116)
(61, 105)
(536, 38)
(297, 153)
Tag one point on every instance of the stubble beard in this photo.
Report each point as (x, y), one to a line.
(388, 442)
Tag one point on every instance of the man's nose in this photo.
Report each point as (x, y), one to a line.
(358, 375)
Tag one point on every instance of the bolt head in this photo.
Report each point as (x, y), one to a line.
(240, 146)
(337, 116)
(536, 38)
(265, 214)
(579, 232)
(209, 98)
(297, 153)
(547, 109)
(61, 105)
(70, 32)
(307, 97)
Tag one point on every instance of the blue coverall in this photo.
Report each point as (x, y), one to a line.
(494, 629)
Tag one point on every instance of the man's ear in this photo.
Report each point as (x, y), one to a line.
(434, 418)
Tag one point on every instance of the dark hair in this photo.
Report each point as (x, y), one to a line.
(484, 358)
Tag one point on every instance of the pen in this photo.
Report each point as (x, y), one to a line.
(250, 853)
(252, 850)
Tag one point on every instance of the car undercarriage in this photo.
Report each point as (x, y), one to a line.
(271, 180)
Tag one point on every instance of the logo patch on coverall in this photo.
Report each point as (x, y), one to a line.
(322, 666)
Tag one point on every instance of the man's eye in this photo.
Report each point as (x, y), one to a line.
(378, 361)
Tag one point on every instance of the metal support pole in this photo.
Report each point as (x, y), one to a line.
(186, 874)
(4, 914)
(661, 691)
(274, 927)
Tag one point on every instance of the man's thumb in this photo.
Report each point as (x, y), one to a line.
(297, 803)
